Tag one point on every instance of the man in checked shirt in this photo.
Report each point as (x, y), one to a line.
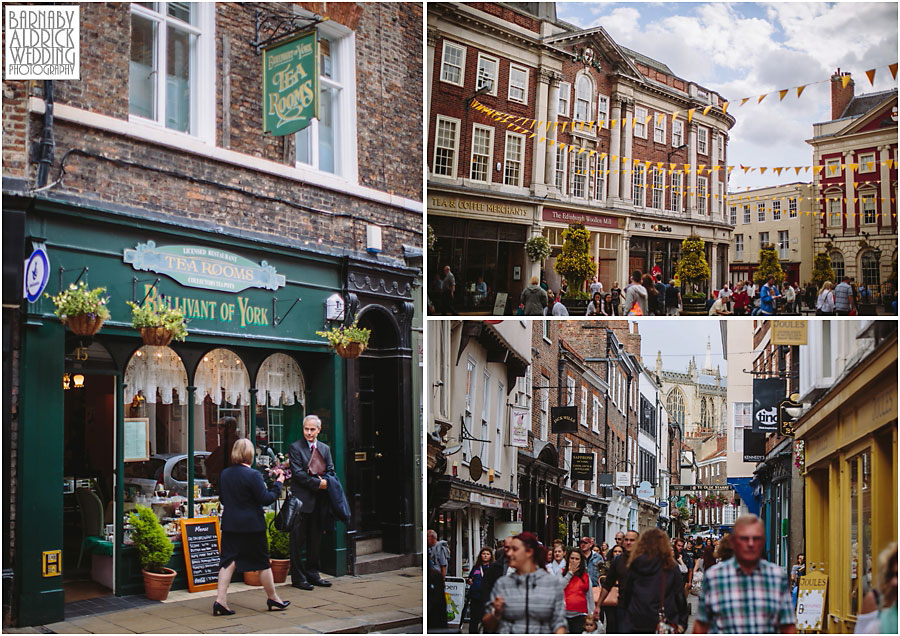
(745, 594)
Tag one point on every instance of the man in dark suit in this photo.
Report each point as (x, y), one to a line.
(310, 462)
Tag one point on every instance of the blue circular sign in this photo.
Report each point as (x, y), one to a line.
(37, 273)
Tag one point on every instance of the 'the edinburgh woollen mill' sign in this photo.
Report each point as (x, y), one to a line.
(290, 85)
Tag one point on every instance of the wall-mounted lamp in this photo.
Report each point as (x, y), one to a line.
(67, 382)
(491, 476)
(78, 379)
(674, 150)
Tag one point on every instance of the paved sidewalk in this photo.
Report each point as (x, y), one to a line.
(388, 601)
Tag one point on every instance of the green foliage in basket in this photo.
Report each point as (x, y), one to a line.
(153, 546)
(345, 334)
(159, 315)
(78, 299)
(537, 248)
(279, 542)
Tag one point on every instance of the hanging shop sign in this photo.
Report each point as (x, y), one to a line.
(645, 490)
(623, 479)
(564, 419)
(290, 85)
(583, 466)
(204, 267)
(518, 424)
(788, 332)
(788, 410)
(754, 446)
(37, 273)
(767, 393)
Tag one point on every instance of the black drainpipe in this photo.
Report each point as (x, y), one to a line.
(47, 144)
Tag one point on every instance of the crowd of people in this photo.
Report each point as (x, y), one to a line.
(641, 584)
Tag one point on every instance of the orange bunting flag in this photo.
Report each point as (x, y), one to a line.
(762, 170)
(782, 93)
(761, 97)
(706, 110)
(744, 101)
(745, 168)
(797, 169)
(691, 114)
(778, 171)
(893, 69)
(845, 79)
(871, 75)
(800, 91)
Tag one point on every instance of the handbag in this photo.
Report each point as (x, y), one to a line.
(663, 626)
(612, 599)
(288, 515)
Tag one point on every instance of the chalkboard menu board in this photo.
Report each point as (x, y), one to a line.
(200, 540)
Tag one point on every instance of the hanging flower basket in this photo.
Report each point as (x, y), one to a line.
(348, 341)
(350, 350)
(84, 325)
(156, 336)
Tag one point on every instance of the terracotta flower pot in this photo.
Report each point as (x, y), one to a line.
(252, 578)
(156, 586)
(280, 568)
(156, 336)
(352, 350)
(83, 324)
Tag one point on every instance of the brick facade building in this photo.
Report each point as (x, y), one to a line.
(637, 187)
(160, 146)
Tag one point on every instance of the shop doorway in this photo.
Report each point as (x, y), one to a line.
(375, 438)
(88, 486)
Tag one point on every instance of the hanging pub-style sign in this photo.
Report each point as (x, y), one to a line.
(290, 84)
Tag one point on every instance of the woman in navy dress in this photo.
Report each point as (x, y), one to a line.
(243, 494)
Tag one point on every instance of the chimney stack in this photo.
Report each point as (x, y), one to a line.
(840, 96)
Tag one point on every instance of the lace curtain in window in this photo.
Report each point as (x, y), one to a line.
(221, 370)
(280, 376)
(153, 369)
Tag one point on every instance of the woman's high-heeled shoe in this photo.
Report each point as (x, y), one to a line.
(276, 605)
(220, 610)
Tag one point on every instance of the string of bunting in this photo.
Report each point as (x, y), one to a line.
(531, 124)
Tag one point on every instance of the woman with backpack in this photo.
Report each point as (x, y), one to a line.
(476, 576)
(653, 592)
(825, 301)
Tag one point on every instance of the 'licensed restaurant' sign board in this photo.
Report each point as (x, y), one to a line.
(290, 85)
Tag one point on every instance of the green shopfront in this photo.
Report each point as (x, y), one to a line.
(108, 416)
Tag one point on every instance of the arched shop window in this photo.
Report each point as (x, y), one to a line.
(837, 264)
(675, 406)
(280, 399)
(156, 388)
(223, 388)
(871, 274)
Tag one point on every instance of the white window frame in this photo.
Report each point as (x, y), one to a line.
(739, 247)
(721, 147)
(524, 87)
(828, 174)
(344, 123)
(559, 169)
(490, 156)
(602, 110)
(659, 129)
(499, 427)
(863, 160)
(484, 57)
(586, 100)
(545, 406)
(747, 215)
(776, 210)
(702, 140)
(455, 160)
(462, 62)
(657, 195)
(469, 404)
(835, 210)
(203, 71)
(485, 411)
(521, 159)
(784, 244)
(595, 416)
(580, 175)
(570, 391)
(741, 416)
(867, 199)
(760, 212)
(582, 417)
(565, 99)
(763, 239)
(792, 208)
(638, 185)
(594, 475)
(640, 119)
(702, 201)
(676, 192)
(732, 214)
(677, 133)
(600, 178)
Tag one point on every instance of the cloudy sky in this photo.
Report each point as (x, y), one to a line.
(678, 340)
(743, 49)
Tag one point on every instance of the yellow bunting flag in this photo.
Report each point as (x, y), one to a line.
(660, 118)
(730, 168)
(782, 93)
(687, 168)
(675, 115)
(871, 75)
(797, 169)
(761, 97)
(778, 171)
(706, 110)
(853, 166)
(725, 107)
(659, 165)
(762, 170)
(800, 91)
(744, 101)
(700, 168)
(671, 167)
(845, 79)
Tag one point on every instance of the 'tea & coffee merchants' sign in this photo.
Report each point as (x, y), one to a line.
(290, 85)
